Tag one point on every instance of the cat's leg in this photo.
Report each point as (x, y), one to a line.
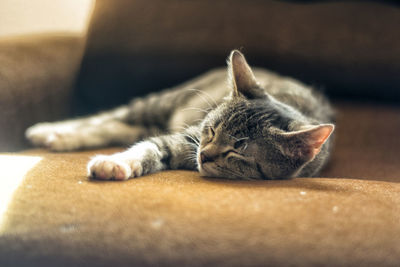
(88, 132)
(114, 126)
(176, 151)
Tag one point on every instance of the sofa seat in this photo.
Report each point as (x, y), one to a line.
(349, 216)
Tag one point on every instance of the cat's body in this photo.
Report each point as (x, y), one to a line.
(241, 127)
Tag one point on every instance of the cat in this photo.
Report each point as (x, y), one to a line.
(248, 124)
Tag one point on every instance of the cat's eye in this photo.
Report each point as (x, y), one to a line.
(211, 133)
(239, 143)
(226, 153)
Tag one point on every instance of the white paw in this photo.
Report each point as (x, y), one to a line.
(113, 168)
(53, 136)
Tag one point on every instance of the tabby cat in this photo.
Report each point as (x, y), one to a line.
(252, 124)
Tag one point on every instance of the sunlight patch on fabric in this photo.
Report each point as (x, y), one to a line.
(14, 170)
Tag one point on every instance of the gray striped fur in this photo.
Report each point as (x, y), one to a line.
(238, 124)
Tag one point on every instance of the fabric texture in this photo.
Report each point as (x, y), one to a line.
(36, 77)
(348, 217)
(135, 47)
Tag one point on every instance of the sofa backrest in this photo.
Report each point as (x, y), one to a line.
(351, 48)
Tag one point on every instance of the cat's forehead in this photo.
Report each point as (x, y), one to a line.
(243, 118)
(230, 117)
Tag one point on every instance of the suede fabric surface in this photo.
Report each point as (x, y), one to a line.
(348, 217)
(37, 73)
(135, 47)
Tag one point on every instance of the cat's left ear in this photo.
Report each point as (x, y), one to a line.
(241, 76)
(306, 143)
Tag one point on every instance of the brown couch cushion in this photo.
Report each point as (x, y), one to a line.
(134, 47)
(174, 218)
(36, 77)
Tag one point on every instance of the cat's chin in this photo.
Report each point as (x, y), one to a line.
(202, 172)
(207, 171)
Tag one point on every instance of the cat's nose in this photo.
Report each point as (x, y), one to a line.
(208, 153)
(205, 157)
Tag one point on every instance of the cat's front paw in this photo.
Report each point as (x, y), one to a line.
(113, 168)
(53, 137)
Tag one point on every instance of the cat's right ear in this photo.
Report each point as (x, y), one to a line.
(241, 77)
(306, 143)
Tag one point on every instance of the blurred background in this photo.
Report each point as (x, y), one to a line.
(19, 17)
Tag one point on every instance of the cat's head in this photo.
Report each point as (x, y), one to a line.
(253, 136)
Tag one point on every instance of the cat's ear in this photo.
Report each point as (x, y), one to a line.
(307, 142)
(241, 77)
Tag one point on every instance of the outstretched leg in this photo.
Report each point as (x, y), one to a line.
(143, 117)
(99, 130)
(175, 151)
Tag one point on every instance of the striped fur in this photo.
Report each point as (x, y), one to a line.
(249, 124)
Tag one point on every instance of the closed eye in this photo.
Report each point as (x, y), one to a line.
(211, 133)
(233, 155)
(239, 143)
(226, 153)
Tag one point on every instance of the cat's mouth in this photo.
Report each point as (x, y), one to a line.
(205, 169)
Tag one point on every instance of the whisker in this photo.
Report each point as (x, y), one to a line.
(184, 127)
(197, 109)
(197, 142)
(199, 92)
(239, 139)
(191, 156)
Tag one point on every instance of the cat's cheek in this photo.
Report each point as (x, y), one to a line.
(201, 171)
(206, 170)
